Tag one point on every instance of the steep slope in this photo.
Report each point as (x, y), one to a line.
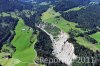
(55, 19)
(24, 42)
(63, 5)
(62, 49)
(87, 17)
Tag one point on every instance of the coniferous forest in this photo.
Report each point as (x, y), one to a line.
(61, 32)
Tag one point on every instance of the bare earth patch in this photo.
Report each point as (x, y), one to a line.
(62, 49)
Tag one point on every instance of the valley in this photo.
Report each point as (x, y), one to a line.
(62, 30)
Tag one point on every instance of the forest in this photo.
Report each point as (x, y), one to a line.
(21, 40)
(86, 18)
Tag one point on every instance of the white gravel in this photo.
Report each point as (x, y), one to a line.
(62, 49)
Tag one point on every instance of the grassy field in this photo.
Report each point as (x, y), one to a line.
(25, 51)
(24, 41)
(50, 13)
(75, 9)
(96, 36)
(82, 41)
(50, 16)
(3, 14)
(9, 62)
(98, 46)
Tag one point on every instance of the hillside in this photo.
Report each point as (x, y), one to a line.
(87, 17)
(49, 33)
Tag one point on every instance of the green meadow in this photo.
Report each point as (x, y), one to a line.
(82, 41)
(96, 36)
(24, 41)
(75, 9)
(50, 16)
